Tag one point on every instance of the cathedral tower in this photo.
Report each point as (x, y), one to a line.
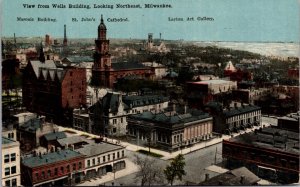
(102, 59)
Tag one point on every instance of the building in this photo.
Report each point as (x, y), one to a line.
(236, 177)
(202, 92)
(171, 130)
(233, 119)
(63, 167)
(30, 132)
(49, 140)
(10, 162)
(65, 42)
(102, 158)
(64, 88)
(289, 122)
(104, 72)
(271, 153)
(110, 113)
(159, 70)
(156, 45)
(82, 120)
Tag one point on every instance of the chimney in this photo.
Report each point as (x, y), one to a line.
(72, 147)
(174, 107)
(206, 176)
(242, 179)
(185, 108)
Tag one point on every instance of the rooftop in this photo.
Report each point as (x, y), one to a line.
(215, 81)
(240, 176)
(170, 117)
(240, 110)
(72, 140)
(55, 136)
(271, 138)
(7, 141)
(127, 65)
(143, 100)
(97, 149)
(50, 158)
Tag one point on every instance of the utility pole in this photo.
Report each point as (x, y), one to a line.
(216, 155)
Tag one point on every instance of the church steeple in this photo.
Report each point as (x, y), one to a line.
(102, 30)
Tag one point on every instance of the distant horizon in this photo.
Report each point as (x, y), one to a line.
(225, 20)
(61, 38)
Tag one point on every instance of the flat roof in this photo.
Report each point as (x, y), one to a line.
(215, 81)
(97, 149)
(271, 138)
(50, 158)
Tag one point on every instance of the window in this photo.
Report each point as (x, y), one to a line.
(14, 182)
(113, 156)
(49, 173)
(103, 158)
(68, 168)
(74, 166)
(123, 153)
(118, 154)
(43, 174)
(121, 120)
(71, 83)
(93, 161)
(7, 171)
(7, 183)
(88, 163)
(98, 160)
(6, 158)
(37, 176)
(13, 157)
(108, 157)
(114, 130)
(79, 165)
(114, 121)
(71, 73)
(55, 171)
(13, 170)
(62, 169)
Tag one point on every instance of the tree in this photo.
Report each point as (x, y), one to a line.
(149, 171)
(175, 169)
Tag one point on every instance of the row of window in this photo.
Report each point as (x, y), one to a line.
(12, 182)
(10, 157)
(92, 162)
(47, 174)
(10, 170)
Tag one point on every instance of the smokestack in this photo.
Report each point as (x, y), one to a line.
(15, 40)
(65, 42)
(159, 36)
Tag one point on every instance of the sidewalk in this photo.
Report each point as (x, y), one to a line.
(130, 168)
(167, 155)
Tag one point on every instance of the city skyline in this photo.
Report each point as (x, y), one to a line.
(255, 21)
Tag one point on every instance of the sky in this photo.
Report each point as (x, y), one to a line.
(233, 20)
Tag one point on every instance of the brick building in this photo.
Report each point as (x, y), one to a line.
(104, 72)
(270, 153)
(53, 91)
(63, 167)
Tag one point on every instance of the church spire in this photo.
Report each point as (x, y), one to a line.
(102, 30)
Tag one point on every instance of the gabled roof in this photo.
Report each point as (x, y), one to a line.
(48, 67)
